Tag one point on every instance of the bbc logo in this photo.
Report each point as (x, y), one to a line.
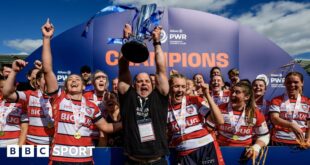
(13, 151)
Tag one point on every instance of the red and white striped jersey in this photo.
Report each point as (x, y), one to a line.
(228, 136)
(192, 134)
(39, 111)
(12, 115)
(65, 130)
(263, 105)
(91, 96)
(222, 97)
(302, 114)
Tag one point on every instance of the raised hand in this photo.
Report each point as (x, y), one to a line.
(127, 31)
(205, 88)
(173, 71)
(18, 65)
(156, 34)
(38, 64)
(47, 29)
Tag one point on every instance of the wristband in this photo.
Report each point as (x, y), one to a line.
(156, 43)
(256, 147)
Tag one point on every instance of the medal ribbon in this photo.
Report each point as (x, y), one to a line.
(236, 125)
(46, 107)
(78, 114)
(180, 116)
(287, 103)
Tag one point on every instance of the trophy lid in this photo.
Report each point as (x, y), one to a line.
(135, 51)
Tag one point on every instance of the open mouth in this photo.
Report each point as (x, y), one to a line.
(233, 99)
(216, 85)
(74, 85)
(258, 90)
(144, 89)
(179, 96)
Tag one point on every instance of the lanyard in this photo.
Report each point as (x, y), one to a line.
(236, 125)
(292, 114)
(78, 114)
(142, 106)
(45, 105)
(4, 112)
(180, 116)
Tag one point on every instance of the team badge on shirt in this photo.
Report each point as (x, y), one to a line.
(190, 110)
(88, 110)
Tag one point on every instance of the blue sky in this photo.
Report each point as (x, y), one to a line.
(284, 22)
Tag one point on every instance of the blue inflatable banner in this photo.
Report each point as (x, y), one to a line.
(193, 42)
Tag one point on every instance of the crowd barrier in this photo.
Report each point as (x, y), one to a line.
(232, 155)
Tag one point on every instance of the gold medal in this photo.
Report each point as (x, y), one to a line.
(77, 135)
(1, 133)
(235, 137)
(50, 125)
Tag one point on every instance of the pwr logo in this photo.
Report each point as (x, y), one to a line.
(177, 37)
(61, 77)
(277, 80)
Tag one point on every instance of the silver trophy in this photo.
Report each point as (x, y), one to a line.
(135, 50)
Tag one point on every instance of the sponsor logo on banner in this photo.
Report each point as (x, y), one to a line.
(62, 76)
(163, 36)
(277, 80)
(177, 37)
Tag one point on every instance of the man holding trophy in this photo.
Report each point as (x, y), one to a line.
(144, 110)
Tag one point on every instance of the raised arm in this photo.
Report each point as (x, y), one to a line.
(216, 114)
(9, 85)
(47, 64)
(124, 76)
(161, 69)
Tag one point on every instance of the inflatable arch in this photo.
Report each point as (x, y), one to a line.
(193, 42)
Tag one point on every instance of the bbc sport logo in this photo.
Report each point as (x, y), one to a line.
(13, 151)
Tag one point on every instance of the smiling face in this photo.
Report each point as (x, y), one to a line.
(41, 83)
(100, 82)
(217, 83)
(143, 84)
(177, 89)
(198, 80)
(238, 98)
(259, 88)
(294, 85)
(74, 84)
